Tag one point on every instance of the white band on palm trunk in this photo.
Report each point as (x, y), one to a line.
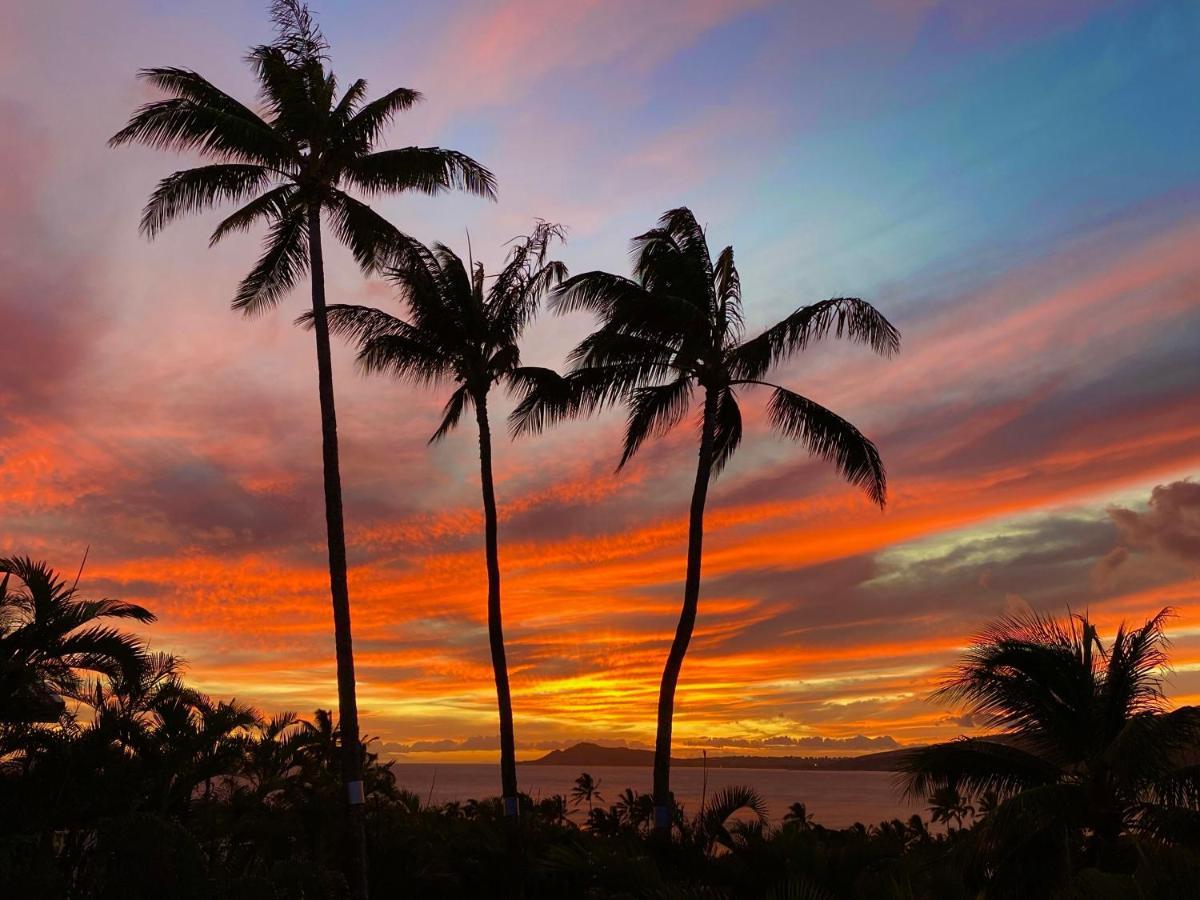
(354, 791)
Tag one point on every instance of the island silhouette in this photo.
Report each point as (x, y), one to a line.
(586, 753)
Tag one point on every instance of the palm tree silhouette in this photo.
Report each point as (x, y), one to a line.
(460, 333)
(675, 328)
(1087, 747)
(50, 637)
(289, 166)
(798, 817)
(949, 807)
(586, 790)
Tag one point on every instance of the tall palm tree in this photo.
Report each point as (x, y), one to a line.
(462, 333)
(1086, 745)
(50, 637)
(289, 164)
(673, 330)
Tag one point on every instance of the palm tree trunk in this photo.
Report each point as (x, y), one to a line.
(663, 806)
(508, 750)
(356, 845)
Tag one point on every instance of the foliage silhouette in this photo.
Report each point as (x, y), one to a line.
(675, 329)
(251, 802)
(50, 636)
(1088, 758)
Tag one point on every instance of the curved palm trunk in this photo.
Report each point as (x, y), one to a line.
(508, 751)
(356, 847)
(687, 622)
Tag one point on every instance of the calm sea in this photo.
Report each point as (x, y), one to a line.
(835, 799)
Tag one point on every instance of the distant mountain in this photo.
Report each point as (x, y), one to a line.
(583, 755)
(587, 754)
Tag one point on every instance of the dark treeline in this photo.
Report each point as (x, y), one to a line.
(118, 780)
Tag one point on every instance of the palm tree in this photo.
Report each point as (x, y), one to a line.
(460, 333)
(949, 807)
(798, 817)
(633, 808)
(288, 167)
(673, 329)
(50, 637)
(1086, 745)
(586, 790)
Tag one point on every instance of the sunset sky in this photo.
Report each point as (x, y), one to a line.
(1015, 185)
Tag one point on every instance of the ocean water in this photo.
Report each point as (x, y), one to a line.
(834, 799)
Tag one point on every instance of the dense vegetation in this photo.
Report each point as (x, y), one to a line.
(118, 780)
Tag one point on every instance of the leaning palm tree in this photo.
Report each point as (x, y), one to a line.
(1086, 748)
(462, 333)
(675, 330)
(290, 163)
(51, 638)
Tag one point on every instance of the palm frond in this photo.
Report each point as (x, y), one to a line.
(366, 125)
(673, 260)
(427, 170)
(459, 402)
(848, 317)
(358, 324)
(596, 292)
(713, 820)
(1149, 755)
(1133, 675)
(406, 356)
(728, 433)
(84, 610)
(184, 125)
(525, 279)
(372, 239)
(275, 204)
(418, 274)
(727, 290)
(195, 190)
(652, 358)
(548, 398)
(974, 766)
(654, 411)
(288, 91)
(297, 33)
(351, 100)
(201, 117)
(283, 261)
(832, 438)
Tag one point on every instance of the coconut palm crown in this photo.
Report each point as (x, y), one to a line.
(1085, 749)
(51, 639)
(290, 161)
(674, 331)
